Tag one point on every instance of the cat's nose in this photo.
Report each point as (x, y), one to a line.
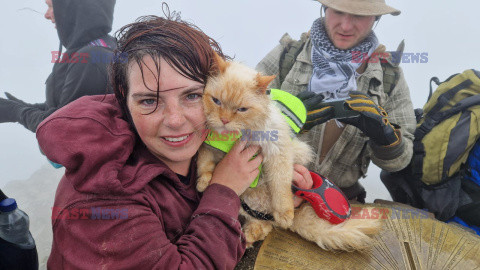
(225, 121)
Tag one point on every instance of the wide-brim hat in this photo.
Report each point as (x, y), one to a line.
(361, 7)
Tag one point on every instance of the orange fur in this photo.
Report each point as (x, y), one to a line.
(235, 100)
(220, 64)
(263, 82)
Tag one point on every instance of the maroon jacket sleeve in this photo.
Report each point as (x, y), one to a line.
(212, 240)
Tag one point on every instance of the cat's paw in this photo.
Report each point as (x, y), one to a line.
(256, 231)
(284, 219)
(203, 181)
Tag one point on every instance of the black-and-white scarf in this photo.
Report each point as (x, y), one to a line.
(334, 70)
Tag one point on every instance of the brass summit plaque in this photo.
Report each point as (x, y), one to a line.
(410, 239)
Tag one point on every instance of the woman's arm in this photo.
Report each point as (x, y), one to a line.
(212, 240)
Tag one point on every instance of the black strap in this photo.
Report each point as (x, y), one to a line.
(458, 141)
(256, 214)
(459, 107)
(417, 159)
(444, 98)
(438, 82)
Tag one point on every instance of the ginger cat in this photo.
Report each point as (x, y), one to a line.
(235, 100)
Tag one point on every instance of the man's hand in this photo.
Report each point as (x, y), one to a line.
(373, 120)
(40, 106)
(316, 112)
(10, 111)
(301, 179)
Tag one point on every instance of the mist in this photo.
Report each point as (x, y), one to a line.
(446, 32)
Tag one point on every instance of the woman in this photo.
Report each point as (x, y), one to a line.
(128, 196)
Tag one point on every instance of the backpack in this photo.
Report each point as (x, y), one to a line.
(447, 130)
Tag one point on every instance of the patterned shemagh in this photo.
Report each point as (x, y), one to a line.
(334, 71)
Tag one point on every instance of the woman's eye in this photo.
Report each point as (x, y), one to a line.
(242, 109)
(216, 101)
(148, 102)
(193, 96)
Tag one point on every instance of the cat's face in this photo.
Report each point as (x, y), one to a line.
(235, 98)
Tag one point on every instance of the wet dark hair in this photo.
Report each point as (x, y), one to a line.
(181, 44)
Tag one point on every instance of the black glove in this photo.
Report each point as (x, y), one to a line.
(40, 106)
(373, 120)
(317, 112)
(10, 111)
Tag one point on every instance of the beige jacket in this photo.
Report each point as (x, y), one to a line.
(350, 155)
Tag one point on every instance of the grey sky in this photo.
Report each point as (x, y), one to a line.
(247, 29)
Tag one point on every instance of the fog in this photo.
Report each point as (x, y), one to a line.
(446, 31)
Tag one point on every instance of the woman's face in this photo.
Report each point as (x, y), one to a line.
(347, 30)
(175, 130)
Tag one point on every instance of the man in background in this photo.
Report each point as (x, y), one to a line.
(341, 58)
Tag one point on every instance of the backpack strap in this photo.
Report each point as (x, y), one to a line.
(289, 56)
(390, 63)
(390, 77)
(438, 82)
(444, 98)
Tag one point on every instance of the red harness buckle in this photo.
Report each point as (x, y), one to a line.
(327, 199)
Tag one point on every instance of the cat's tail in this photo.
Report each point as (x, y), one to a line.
(350, 235)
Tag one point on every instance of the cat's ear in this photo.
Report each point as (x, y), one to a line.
(220, 65)
(263, 82)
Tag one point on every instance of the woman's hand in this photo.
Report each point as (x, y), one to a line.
(301, 179)
(236, 170)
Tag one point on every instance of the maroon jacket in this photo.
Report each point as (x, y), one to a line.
(119, 207)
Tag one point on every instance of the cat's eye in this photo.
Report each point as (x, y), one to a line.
(242, 109)
(216, 101)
